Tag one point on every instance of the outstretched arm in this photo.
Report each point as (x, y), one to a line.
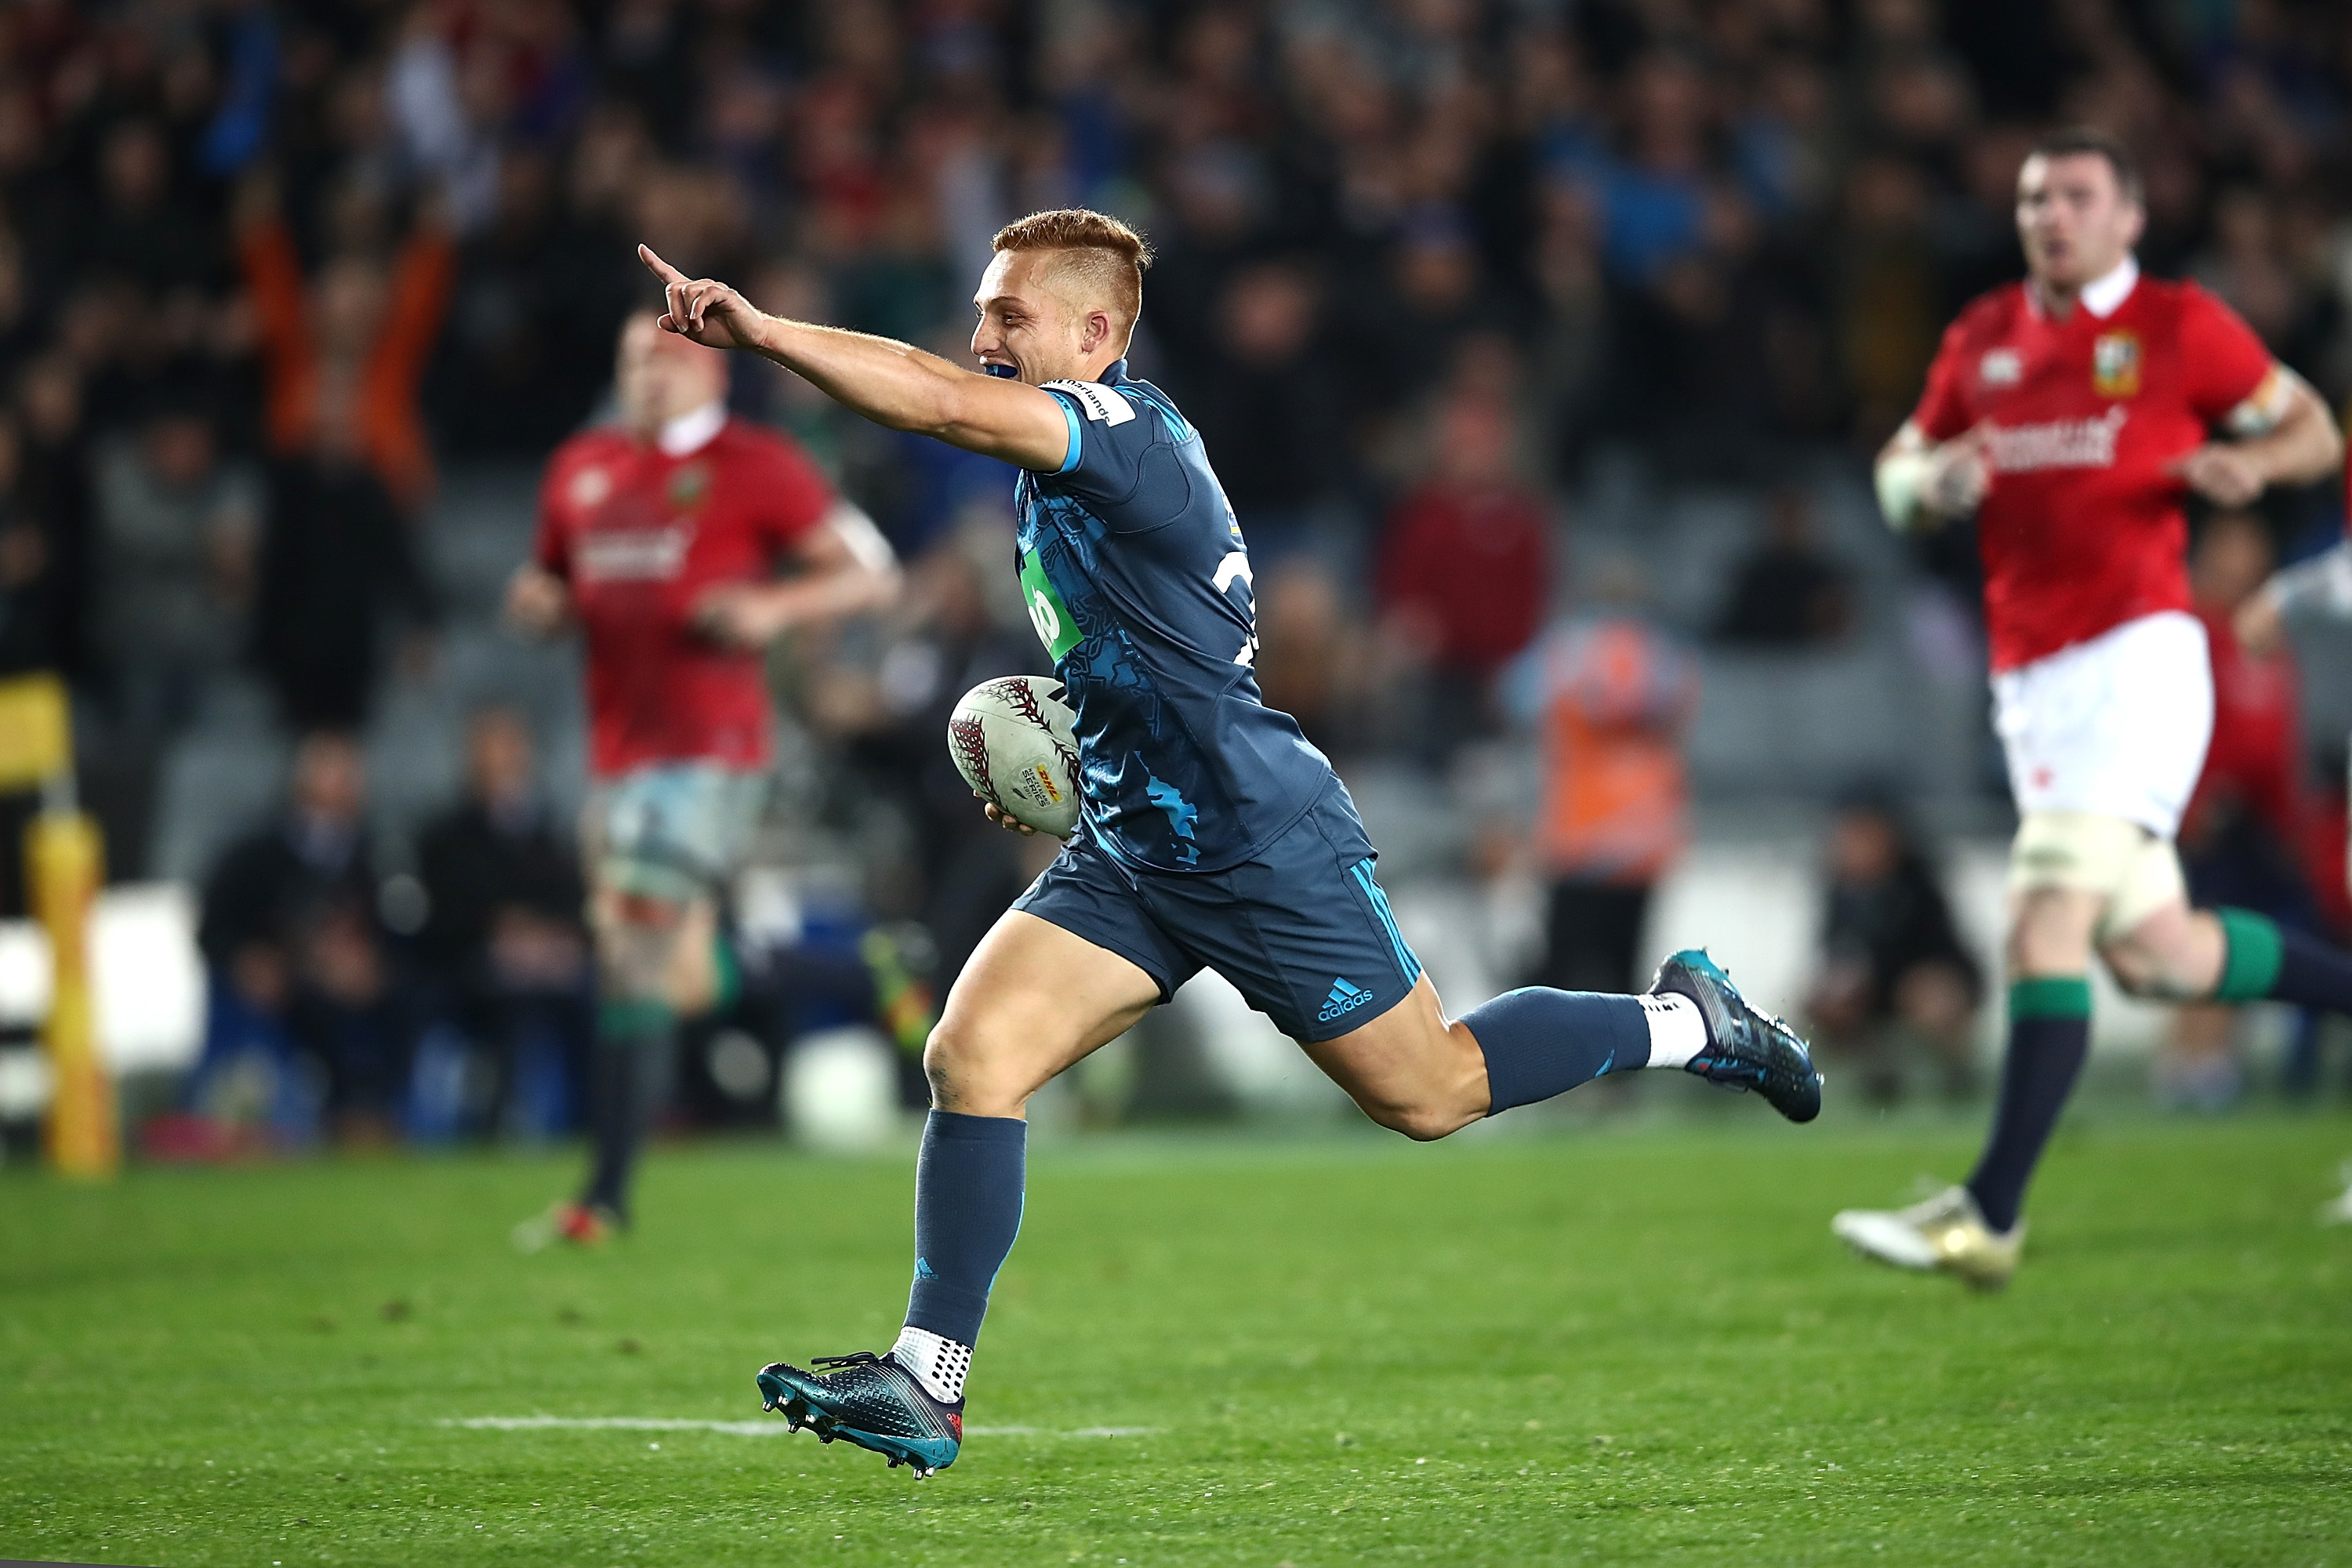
(890, 382)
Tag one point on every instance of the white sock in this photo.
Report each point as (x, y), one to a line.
(1677, 1033)
(937, 1363)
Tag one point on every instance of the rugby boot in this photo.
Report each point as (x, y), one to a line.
(1947, 1234)
(1746, 1049)
(578, 1223)
(869, 1400)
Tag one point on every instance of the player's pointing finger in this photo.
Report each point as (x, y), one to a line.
(661, 269)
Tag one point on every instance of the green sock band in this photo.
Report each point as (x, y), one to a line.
(2251, 954)
(2050, 996)
(730, 970)
(625, 1020)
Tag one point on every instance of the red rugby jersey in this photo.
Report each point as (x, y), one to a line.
(639, 536)
(2082, 528)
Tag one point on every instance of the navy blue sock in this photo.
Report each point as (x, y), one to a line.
(1539, 1042)
(2312, 973)
(2262, 959)
(2049, 1035)
(968, 1192)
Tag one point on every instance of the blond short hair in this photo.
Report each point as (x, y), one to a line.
(1104, 256)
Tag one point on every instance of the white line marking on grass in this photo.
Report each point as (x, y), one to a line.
(617, 1424)
(735, 1428)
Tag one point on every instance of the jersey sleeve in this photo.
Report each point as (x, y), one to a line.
(550, 547)
(1943, 411)
(2222, 361)
(795, 495)
(1117, 440)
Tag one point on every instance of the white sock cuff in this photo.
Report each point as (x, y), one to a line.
(937, 1363)
(1677, 1031)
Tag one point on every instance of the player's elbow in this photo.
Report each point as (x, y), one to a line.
(2320, 450)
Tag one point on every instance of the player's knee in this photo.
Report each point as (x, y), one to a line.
(2134, 976)
(1422, 1122)
(965, 1075)
(2144, 965)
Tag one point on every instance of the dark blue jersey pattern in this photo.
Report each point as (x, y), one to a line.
(1139, 583)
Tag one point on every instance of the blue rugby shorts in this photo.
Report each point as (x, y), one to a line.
(1302, 930)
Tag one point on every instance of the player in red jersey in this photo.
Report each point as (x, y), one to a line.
(661, 537)
(2071, 412)
(2321, 585)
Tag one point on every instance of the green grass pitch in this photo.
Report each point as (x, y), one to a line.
(1608, 1346)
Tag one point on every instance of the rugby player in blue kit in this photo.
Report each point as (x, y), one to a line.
(1213, 835)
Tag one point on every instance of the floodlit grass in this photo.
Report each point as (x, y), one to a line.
(1616, 1346)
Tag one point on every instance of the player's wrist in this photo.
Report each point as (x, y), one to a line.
(1902, 480)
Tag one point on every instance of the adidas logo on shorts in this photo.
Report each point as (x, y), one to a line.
(1344, 998)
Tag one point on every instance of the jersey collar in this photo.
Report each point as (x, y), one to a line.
(2103, 297)
(689, 433)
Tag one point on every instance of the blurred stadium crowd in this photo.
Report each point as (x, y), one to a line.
(1540, 345)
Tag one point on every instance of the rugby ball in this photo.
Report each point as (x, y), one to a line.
(1011, 740)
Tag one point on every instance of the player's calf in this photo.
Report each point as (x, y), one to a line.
(2180, 955)
(1413, 1072)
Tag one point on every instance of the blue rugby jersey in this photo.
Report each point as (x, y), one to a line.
(1139, 583)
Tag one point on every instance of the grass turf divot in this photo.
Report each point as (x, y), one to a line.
(1593, 1346)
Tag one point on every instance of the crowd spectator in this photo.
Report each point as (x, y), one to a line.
(1609, 696)
(292, 927)
(1788, 592)
(337, 564)
(1269, 402)
(1895, 980)
(504, 936)
(177, 525)
(1464, 572)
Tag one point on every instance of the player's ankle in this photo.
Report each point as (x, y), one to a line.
(935, 1362)
(1677, 1029)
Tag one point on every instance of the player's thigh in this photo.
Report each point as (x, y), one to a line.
(1033, 998)
(1306, 934)
(2116, 727)
(1411, 1068)
(2066, 869)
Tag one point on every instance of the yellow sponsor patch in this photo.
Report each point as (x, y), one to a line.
(1046, 782)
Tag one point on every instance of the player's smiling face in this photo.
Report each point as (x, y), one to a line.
(1026, 325)
(2073, 219)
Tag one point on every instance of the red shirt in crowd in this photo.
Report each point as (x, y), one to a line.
(639, 535)
(2082, 529)
(1470, 560)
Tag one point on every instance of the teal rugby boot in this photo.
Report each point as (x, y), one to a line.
(1746, 1049)
(869, 1400)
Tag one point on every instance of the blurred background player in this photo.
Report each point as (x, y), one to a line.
(661, 537)
(2321, 585)
(2246, 838)
(2071, 412)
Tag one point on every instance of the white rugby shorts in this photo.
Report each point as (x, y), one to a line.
(2116, 726)
(672, 830)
